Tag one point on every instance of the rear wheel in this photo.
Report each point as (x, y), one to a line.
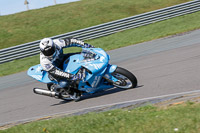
(63, 93)
(126, 79)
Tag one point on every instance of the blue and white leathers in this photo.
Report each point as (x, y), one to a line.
(96, 68)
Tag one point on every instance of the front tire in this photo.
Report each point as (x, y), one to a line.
(126, 79)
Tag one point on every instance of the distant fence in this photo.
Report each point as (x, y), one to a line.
(32, 48)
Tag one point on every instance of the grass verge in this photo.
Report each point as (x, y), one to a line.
(153, 31)
(54, 20)
(183, 118)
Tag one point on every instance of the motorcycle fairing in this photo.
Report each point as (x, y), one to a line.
(37, 73)
(95, 65)
(97, 68)
(109, 71)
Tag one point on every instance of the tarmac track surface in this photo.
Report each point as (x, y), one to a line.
(163, 67)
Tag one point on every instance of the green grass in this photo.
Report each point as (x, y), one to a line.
(161, 29)
(149, 32)
(50, 21)
(149, 119)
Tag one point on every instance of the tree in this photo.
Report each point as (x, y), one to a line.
(26, 3)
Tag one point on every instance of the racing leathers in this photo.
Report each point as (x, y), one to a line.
(52, 64)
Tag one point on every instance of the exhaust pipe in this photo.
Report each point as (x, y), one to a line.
(45, 92)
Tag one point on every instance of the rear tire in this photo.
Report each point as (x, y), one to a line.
(126, 79)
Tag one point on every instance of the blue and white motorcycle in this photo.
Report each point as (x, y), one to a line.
(97, 73)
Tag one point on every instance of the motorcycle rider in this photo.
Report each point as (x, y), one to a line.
(52, 57)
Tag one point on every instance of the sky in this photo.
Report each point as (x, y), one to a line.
(14, 6)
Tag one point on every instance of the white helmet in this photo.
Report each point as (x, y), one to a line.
(47, 47)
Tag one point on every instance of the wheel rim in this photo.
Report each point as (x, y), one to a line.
(124, 80)
(64, 94)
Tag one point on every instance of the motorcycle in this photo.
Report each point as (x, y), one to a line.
(97, 73)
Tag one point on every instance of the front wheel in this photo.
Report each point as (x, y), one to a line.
(126, 79)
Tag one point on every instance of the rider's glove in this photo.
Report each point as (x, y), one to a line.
(76, 42)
